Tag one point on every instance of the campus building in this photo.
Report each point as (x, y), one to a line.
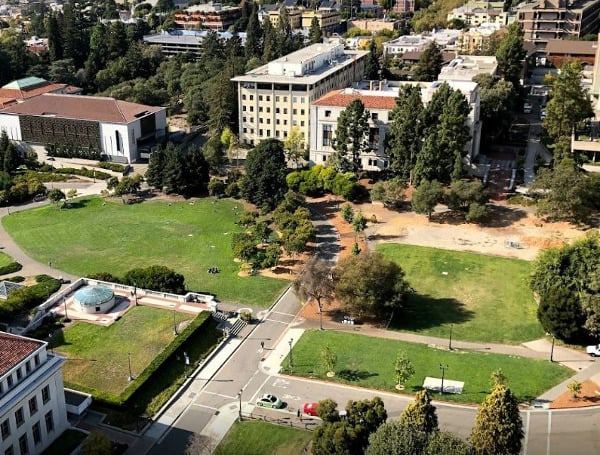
(379, 97)
(212, 16)
(466, 67)
(32, 396)
(478, 13)
(275, 98)
(558, 19)
(28, 87)
(173, 42)
(473, 40)
(115, 128)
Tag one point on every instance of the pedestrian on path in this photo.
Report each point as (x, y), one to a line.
(262, 345)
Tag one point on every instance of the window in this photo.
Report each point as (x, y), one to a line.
(23, 445)
(19, 374)
(294, 122)
(37, 434)
(277, 99)
(268, 121)
(285, 99)
(260, 132)
(243, 97)
(9, 380)
(98, 309)
(268, 109)
(260, 98)
(260, 120)
(9, 451)
(277, 121)
(244, 108)
(285, 122)
(49, 422)
(245, 130)
(374, 116)
(295, 99)
(301, 111)
(327, 113)
(46, 394)
(277, 110)
(277, 133)
(295, 111)
(27, 366)
(327, 135)
(5, 428)
(302, 100)
(301, 122)
(374, 137)
(260, 109)
(33, 407)
(251, 97)
(268, 133)
(268, 98)
(19, 417)
(285, 110)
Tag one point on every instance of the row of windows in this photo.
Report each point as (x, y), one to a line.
(267, 133)
(277, 121)
(5, 427)
(277, 98)
(374, 115)
(36, 433)
(369, 161)
(18, 374)
(327, 136)
(277, 110)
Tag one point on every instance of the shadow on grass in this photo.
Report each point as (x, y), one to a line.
(424, 312)
(355, 375)
(77, 204)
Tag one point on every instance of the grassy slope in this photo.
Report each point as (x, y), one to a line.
(487, 298)
(114, 237)
(358, 365)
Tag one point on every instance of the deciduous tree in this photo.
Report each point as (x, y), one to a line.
(396, 438)
(426, 197)
(511, 53)
(403, 368)
(315, 282)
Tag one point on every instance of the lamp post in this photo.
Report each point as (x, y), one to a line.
(66, 314)
(450, 340)
(186, 362)
(174, 324)
(240, 409)
(291, 364)
(552, 350)
(130, 378)
(443, 368)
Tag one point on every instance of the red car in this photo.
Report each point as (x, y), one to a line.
(310, 409)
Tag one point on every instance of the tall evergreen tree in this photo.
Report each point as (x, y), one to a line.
(221, 102)
(429, 65)
(99, 54)
(154, 174)
(315, 34)
(195, 172)
(254, 35)
(173, 171)
(453, 134)
(403, 141)
(510, 54)
(270, 42)
(420, 415)
(351, 137)
(264, 183)
(372, 63)
(55, 47)
(72, 32)
(117, 40)
(498, 426)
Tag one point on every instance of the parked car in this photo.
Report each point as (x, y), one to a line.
(593, 350)
(543, 114)
(39, 197)
(269, 401)
(310, 409)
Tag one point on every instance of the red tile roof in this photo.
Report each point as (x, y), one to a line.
(14, 348)
(341, 99)
(94, 108)
(30, 92)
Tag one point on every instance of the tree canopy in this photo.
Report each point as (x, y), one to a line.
(351, 137)
(264, 183)
(510, 54)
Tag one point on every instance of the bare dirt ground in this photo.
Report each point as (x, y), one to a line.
(589, 396)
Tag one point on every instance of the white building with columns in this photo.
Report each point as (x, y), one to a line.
(32, 396)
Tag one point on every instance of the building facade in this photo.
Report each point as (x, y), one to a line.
(558, 19)
(117, 129)
(23, 89)
(473, 40)
(379, 97)
(275, 98)
(32, 397)
(173, 42)
(212, 16)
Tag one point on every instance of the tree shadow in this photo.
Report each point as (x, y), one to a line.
(353, 375)
(502, 216)
(78, 204)
(58, 339)
(424, 312)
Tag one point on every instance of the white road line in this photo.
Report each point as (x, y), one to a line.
(280, 322)
(258, 392)
(285, 314)
(205, 406)
(218, 394)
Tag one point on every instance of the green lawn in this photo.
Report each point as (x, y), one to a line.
(5, 259)
(261, 438)
(66, 442)
(369, 362)
(97, 356)
(485, 298)
(106, 236)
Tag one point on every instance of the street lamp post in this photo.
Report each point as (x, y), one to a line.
(291, 365)
(450, 340)
(240, 409)
(552, 350)
(443, 368)
(130, 378)
(174, 324)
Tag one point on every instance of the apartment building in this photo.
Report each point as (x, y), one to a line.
(212, 16)
(379, 97)
(478, 13)
(444, 39)
(466, 67)
(32, 396)
(275, 98)
(474, 39)
(558, 19)
(329, 18)
(403, 6)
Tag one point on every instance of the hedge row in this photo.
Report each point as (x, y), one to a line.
(153, 368)
(116, 167)
(68, 151)
(10, 268)
(91, 173)
(28, 297)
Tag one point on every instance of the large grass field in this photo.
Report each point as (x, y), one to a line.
(97, 356)
(261, 438)
(485, 298)
(369, 362)
(103, 236)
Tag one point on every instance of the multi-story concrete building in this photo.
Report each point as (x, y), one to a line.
(173, 42)
(328, 17)
(403, 6)
(213, 16)
(558, 19)
(380, 98)
(275, 98)
(474, 39)
(466, 67)
(32, 396)
(444, 39)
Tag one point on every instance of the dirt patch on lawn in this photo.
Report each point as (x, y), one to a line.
(589, 396)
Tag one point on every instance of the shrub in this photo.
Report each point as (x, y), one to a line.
(84, 172)
(115, 167)
(10, 268)
(216, 187)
